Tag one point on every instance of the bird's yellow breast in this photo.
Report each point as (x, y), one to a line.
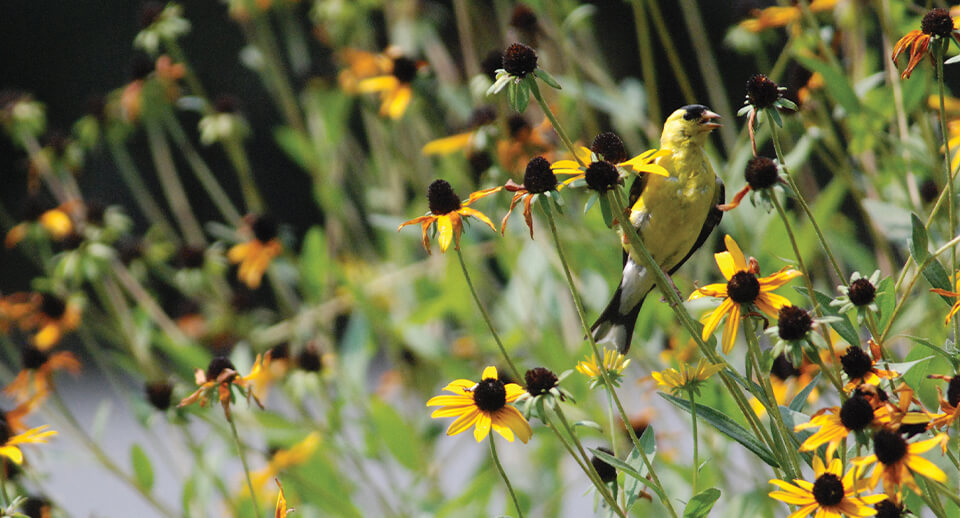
(671, 210)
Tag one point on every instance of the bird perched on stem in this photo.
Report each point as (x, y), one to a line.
(673, 215)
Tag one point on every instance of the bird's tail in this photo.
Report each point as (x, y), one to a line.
(615, 325)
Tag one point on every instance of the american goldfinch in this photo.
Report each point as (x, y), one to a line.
(673, 215)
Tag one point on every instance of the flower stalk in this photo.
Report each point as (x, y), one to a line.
(503, 475)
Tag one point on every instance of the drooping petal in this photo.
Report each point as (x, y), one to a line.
(512, 418)
(713, 320)
(467, 211)
(730, 328)
(444, 231)
(483, 427)
(464, 422)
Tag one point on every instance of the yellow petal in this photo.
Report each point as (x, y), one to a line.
(738, 260)
(377, 84)
(730, 328)
(710, 325)
(467, 211)
(489, 373)
(13, 453)
(447, 145)
(726, 264)
(444, 231)
(483, 427)
(926, 468)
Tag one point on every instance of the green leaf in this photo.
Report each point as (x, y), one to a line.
(902, 367)
(399, 437)
(626, 468)
(631, 486)
(606, 211)
(297, 146)
(918, 240)
(700, 505)
(727, 427)
(801, 398)
(835, 81)
(142, 470)
(937, 276)
(545, 76)
(938, 350)
(315, 263)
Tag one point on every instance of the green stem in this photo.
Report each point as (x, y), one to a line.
(939, 52)
(604, 374)
(243, 460)
(666, 40)
(775, 137)
(144, 200)
(486, 317)
(503, 475)
(584, 462)
(535, 90)
(170, 183)
(647, 62)
(696, 455)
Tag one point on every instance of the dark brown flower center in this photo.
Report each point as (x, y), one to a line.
(217, 365)
(517, 126)
(158, 393)
(523, 18)
(53, 306)
(33, 358)
(609, 146)
(264, 228)
(761, 91)
(482, 116)
(404, 69)
(36, 507)
(190, 256)
(856, 414)
(602, 176)
(761, 173)
(861, 292)
(888, 509)
(953, 391)
(607, 472)
(929, 191)
(828, 490)
(889, 447)
(519, 60)
(540, 380)
(783, 368)
(309, 360)
(538, 176)
(793, 323)
(743, 287)
(490, 395)
(909, 430)
(856, 364)
(441, 198)
(937, 22)
(479, 163)
(225, 104)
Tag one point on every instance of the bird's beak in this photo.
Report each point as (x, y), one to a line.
(708, 118)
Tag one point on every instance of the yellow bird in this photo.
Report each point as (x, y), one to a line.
(673, 215)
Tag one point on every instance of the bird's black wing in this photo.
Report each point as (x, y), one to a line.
(636, 189)
(713, 219)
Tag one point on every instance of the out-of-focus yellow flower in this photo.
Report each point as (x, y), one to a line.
(686, 378)
(11, 443)
(780, 16)
(36, 377)
(297, 454)
(256, 254)
(389, 74)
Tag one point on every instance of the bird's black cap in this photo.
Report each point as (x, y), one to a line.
(694, 111)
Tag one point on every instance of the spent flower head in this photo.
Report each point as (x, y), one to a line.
(937, 30)
(160, 26)
(860, 293)
(764, 95)
(519, 75)
(447, 214)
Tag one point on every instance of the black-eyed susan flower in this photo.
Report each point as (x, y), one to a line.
(742, 291)
(159, 394)
(687, 378)
(830, 495)
(484, 405)
(281, 509)
(604, 172)
(281, 460)
(361, 65)
(542, 388)
(255, 254)
(935, 27)
(763, 95)
(856, 414)
(794, 329)
(538, 179)
(613, 362)
(607, 472)
(890, 508)
(896, 461)
(54, 222)
(860, 368)
(223, 377)
(861, 293)
(946, 293)
(519, 74)
(950, 405)
(52, 318)
(10, 442)
(159, 23)
(762, 174)
(36, 375)
(393, 85)
(447, 212)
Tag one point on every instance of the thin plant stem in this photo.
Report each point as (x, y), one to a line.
(613, 430)
(503, 475)
(696, 441)
(535, 90)
(593, 472)
(604, 374)
(243, 460)
(486, 317)
(144, 200)
(647, 63)
(585, 465)
(939, 52)
(170, 183)
(666, 39)
(775, 137)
